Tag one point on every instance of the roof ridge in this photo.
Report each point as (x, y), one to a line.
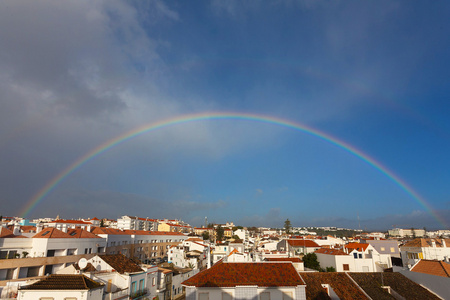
(444, 267)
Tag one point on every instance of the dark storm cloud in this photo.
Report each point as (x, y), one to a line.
(111, 204)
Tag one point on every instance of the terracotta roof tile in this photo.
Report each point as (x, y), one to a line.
(291, 259)
(5, 232)
(330, 251)
(121, 263)
(407, 288)
(420, 243)
(264, 274)
(432, 267)
(356, 246)
(82, 234)
(341, 284)
(64, 282)
(303, 243)
(53, 233)
(165, 233)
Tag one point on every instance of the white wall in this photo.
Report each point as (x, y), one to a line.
(60, 294)
(250, 292)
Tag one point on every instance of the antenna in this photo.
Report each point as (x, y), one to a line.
(359, 222)
(82, 263)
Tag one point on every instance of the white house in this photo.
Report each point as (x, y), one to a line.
(262, 280)
(431, 249)
(120, 275)
(62, 287)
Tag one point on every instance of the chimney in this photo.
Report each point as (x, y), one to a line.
(38, 227)
(444, 245)
(64, 228)
(16, 230)
(433, 243)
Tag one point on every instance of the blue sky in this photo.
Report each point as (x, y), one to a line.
(374, 75)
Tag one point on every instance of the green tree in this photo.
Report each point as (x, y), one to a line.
(220, 233)
(102, 223)
(330, 269)
(287, 226)
(205, 235)
(310, 261)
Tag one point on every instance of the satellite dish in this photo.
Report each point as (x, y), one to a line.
(82, 263)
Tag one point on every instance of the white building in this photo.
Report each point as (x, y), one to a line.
(431, 249)
(263, 280)
(62, 287)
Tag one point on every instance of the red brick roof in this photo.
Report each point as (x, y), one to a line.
(51, 232)
(64, 282)
(264, 274)
(330, 251)
(432, 267)
(303, 243)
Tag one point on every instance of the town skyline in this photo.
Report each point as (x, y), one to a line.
(327, 114)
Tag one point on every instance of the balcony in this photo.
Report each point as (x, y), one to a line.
(139, 294)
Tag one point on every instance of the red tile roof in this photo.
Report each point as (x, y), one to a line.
(330, 251)
(121, 263)
(356, 246)
(51, 232)
(264, 274)
(432, 267)
(5, 232)
(64, 282)
(303, 243)
(407, 288)
(420, 243)
(291, 259)
(82, 234)
(341, 284)
(165, 233)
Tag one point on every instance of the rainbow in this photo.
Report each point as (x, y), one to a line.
(44, 191)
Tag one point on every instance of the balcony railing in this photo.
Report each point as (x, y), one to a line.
(139, 294)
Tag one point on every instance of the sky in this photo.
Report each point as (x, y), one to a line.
(372, 76)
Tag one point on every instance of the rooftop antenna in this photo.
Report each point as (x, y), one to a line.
(359, 222)
(206, 222)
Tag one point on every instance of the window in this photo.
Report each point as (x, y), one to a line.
(46, 298)
(133, 287)
(203, 296)
(141, 284)
(382, 249)
(264, 296)
(153, 281)
(360, 255)
(345, 267)
(392, 249)
(355, 255)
